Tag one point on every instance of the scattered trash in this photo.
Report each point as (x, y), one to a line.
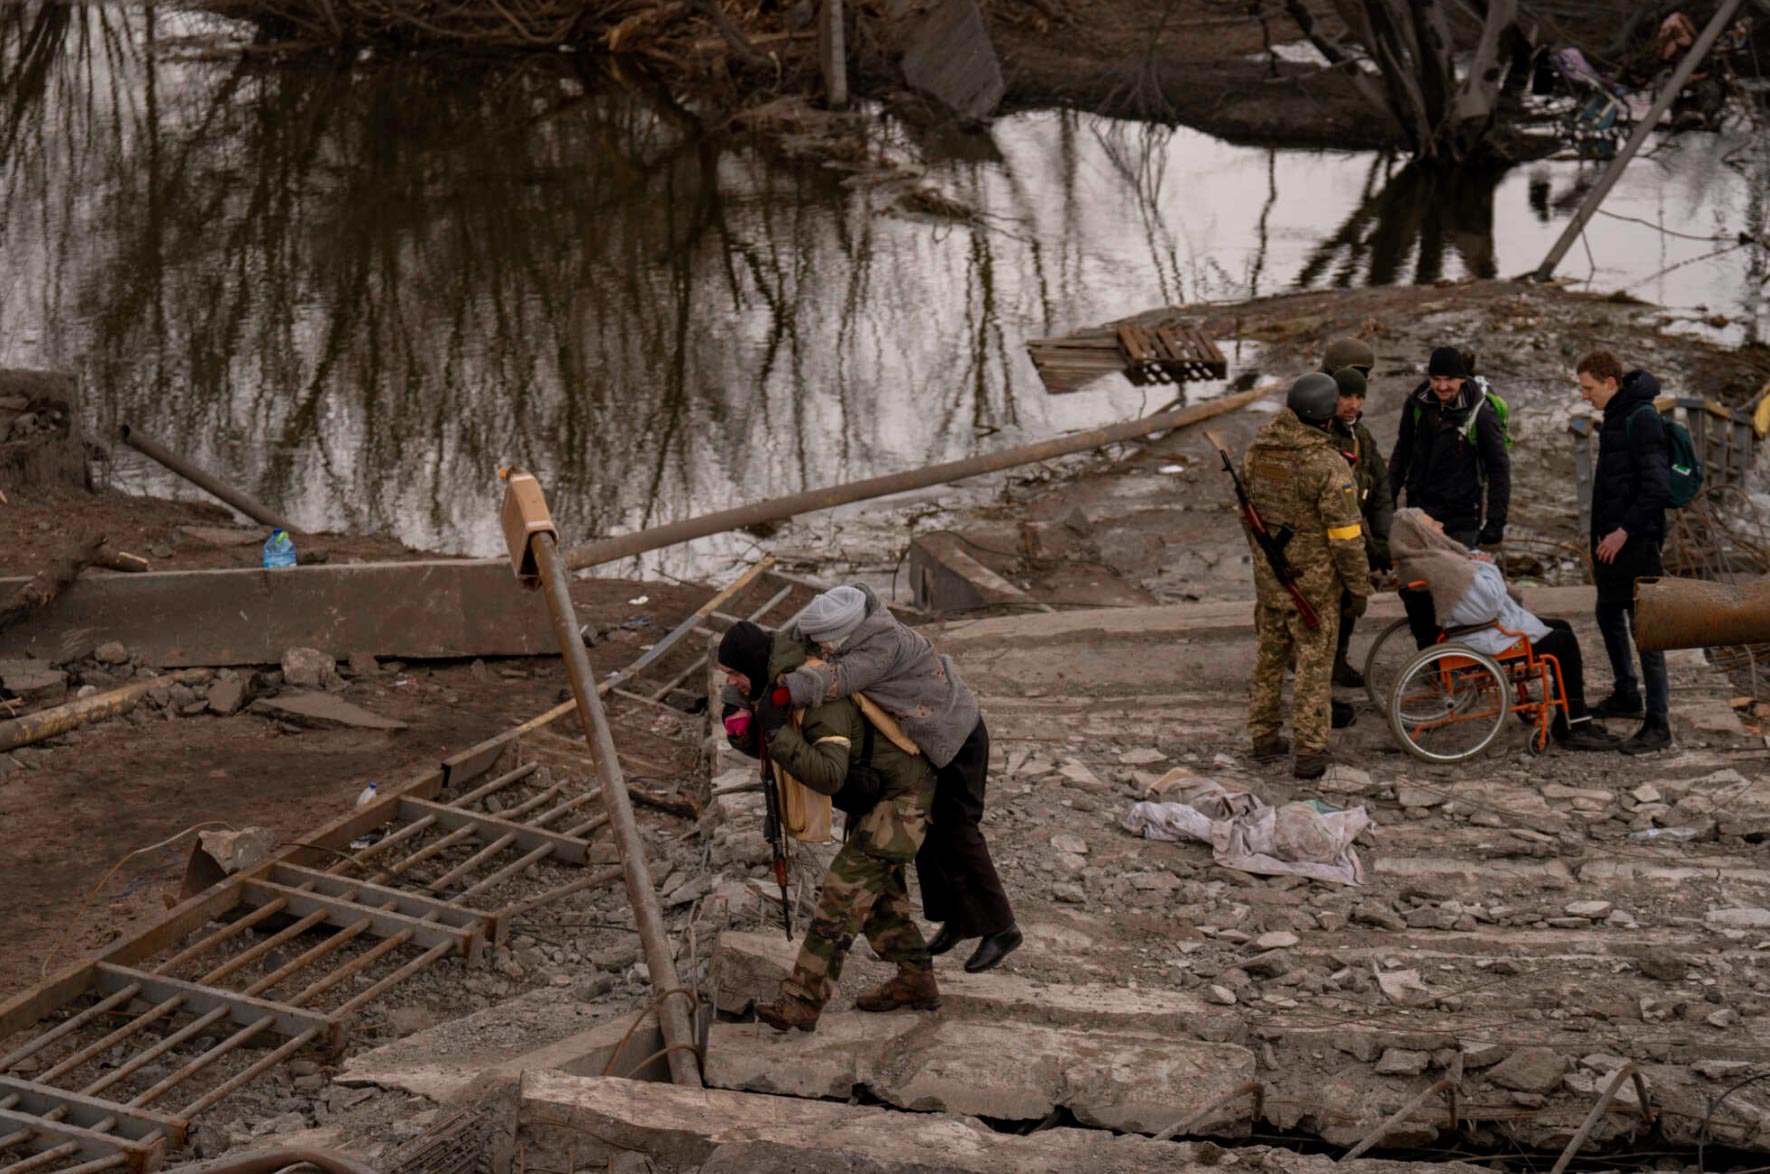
(1310, 839)
(640, 601)
(1172, 469)
(279, 550)
(1674, 834)
(363, 800)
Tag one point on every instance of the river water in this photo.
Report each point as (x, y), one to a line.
(357, 291)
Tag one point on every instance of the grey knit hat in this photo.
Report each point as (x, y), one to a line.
(832, 616)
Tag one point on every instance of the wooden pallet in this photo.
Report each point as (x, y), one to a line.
(1170, 354)
(1164, 354)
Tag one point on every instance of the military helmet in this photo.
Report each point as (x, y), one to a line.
(1315, 398)
(1348, 352)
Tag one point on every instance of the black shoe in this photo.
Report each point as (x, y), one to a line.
(1346, 676)
(992, 949)
(1585, 736)
(1343, 714)
(1619, 705)
(1310, 765)
(946, 939)
(1654, 734)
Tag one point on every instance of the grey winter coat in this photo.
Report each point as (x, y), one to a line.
(900, 670)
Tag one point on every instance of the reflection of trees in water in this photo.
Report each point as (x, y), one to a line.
(1413, 214)
(359, 290)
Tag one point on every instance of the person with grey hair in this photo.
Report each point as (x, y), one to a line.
(865, 649)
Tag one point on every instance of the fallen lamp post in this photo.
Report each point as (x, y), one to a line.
(535, 557)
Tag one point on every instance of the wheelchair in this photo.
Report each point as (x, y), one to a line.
(1448, 702)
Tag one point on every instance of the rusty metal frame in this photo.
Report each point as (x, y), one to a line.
(308, 885)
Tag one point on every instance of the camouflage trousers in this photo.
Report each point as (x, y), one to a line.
(867, 891)
(1279, 635)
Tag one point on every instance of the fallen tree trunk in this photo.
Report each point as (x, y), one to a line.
(52, 580)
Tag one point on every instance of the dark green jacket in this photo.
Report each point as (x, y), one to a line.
(830, 736)
(1370, 473)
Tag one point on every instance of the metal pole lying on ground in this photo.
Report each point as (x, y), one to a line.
(1698, 613)
(534, 551)
(47, 723)
(1643, 128)
(812, 500)
(203, 479)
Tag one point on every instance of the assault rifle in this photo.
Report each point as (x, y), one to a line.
(1270, 542)
(774, 831)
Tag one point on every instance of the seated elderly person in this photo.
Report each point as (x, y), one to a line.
(1468, 590)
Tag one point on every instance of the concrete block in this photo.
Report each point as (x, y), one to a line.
(750, 967)
(1132, 1082)
(433, 608)
(946, 577)
(590, 1120)
(322, 711)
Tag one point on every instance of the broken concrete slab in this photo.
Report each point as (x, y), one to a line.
(322, 711)
(414, 610)
(944, 577)
(591, 1120)
(550, 1029)
(750, 967)
(1131, 1082)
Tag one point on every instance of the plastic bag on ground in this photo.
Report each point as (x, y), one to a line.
(1308, 839)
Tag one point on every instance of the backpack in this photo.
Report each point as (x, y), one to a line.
(1500, 407)
(1684, 465)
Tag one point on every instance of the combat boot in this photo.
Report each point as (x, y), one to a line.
(790, 1011)
(1271, 749)
(1310, 764)
(1346, 676)
(912, 987)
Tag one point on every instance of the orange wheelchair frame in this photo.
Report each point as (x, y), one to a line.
(1528, 683)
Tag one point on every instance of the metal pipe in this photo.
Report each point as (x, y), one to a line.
(776, 508)
(67, 1027)
(1700, 613)
(1592, 1118)
(522, 863)
(251, 1073)
(233, 929)
(688, 625)
(200, 477)
(648, 914)
(1252, 1088)
(404, 972)
(1396, 1118)
(195, 1028)
(47, 723)
(602, 877)
(472, 862)
(362, 962)
(1666, 97)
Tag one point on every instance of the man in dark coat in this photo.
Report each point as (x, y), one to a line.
(1450, 456)
(1349, 361)
(1631, 488)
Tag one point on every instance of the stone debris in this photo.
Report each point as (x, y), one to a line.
(323, 711)
(309, 668)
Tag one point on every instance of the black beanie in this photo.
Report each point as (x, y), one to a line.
(1447, 361)
(745, 647)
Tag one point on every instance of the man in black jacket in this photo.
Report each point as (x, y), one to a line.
(1631, 488)
(1450, 456)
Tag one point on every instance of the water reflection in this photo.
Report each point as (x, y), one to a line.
(358, 289)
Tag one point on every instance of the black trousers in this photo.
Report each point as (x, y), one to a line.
(959, 882)
(1563, 645)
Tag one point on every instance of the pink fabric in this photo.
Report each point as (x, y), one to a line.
(738, 724)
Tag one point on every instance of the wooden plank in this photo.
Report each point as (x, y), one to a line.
(429, 608)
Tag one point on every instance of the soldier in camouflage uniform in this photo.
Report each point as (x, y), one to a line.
(866, 889)
(1295, 477)
(1350, 361)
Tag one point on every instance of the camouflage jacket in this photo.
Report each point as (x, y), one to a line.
(1370, 473)
(1296, 477)
(818, 746)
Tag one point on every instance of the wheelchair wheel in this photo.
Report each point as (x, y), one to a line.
(1449, 703)
(1388, 655)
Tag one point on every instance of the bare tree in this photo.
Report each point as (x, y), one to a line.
(1445, 115)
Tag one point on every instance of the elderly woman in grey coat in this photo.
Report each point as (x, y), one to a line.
(866, 650)
(1469, 591)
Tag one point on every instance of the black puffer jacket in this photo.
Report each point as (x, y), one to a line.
(1631, 487)
(1441, 470)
